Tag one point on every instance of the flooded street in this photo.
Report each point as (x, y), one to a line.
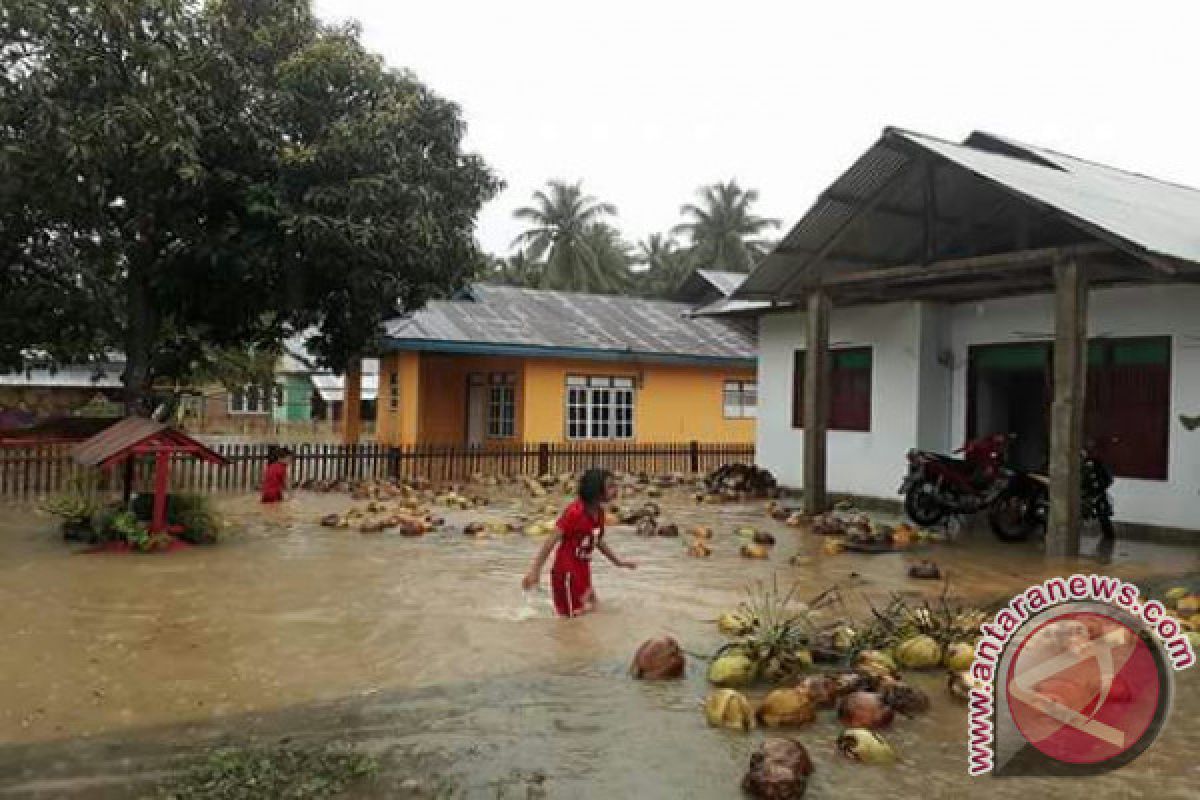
(426, 652)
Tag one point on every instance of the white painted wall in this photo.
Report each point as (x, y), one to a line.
(1149, 311)
(917, 401)
(861, 463)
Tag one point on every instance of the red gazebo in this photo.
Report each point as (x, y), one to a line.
(137, 436)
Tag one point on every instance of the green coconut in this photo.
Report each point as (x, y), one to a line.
(919, 652)
(1188, 605)
(728, 708)
(865, 747)
(733, 669)
(1174, 594)
(734, 623)
(959, 657)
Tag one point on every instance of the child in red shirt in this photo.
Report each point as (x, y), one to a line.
(580, 528)
(275, 476)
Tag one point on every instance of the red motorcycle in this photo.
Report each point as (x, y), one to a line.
(938, 485)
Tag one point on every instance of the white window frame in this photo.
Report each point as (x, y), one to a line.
(599, 408)
(739, 391)
(501, 398)
(243, 392)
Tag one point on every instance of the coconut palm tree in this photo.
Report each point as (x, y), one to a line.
(722, 231)
(516, 270)
(567, 228)
(667, 265)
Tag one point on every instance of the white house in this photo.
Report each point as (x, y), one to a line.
(939, 261)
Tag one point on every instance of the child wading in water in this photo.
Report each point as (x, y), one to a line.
(580, 528)
(275, 477)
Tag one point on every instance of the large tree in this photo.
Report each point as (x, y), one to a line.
(177, 180)
(723, 233)
(566, 230)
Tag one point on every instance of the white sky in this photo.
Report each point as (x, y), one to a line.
(646, 101)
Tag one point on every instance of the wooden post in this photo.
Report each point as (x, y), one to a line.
(816, 401)
(352, 403)
(1066, 421)
(162, 471)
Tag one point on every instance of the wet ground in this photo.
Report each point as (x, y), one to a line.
(425, 651)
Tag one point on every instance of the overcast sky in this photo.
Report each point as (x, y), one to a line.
(646, 101)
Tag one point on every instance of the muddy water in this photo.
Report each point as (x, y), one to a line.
(427, 652)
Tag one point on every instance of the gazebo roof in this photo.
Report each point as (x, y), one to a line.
(135, 436)
(916, 217)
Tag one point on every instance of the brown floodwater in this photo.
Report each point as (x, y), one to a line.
(425, 651)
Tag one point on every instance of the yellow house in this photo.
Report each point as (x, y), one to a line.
(502, 365)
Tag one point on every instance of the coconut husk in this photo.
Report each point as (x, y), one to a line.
(658, 659)
(778, 770)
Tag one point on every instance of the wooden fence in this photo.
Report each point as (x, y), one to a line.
(32, 470)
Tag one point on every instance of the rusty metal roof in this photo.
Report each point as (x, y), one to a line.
(985, 196)
(504, 320)
(115, 443)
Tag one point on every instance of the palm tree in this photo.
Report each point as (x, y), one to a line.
(667, 265)
(516, 270)
(563, 224)
(723, 232)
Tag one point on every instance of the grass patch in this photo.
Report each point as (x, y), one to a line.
(286, 773)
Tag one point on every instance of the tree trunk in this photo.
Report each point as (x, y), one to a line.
(140, 332)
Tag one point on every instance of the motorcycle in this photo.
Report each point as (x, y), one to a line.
(938, 485)
(1024, 506)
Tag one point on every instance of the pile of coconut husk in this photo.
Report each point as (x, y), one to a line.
(407, 516)
(812, 658)
(737, 483)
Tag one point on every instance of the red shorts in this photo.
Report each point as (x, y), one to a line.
(570, 589)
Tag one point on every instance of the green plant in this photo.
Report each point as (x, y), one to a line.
(780, 633)
(79, 502)
(201, 522)
(284, 773)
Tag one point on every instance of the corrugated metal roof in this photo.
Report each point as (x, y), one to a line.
(1159, 217)
(68, 377)
(118, 438)
(725, 282)
(988, 185)
(581, 323)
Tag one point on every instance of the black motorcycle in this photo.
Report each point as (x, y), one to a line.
(1023, 507)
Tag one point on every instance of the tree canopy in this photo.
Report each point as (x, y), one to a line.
(722, 230)
(175, 179)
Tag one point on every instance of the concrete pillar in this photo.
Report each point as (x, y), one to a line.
(816, 402)
(1067, 412)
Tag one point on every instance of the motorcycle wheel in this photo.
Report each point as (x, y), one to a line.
(1010, 517)
(922, 507)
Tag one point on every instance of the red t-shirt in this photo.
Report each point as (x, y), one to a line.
(274, 480)
(581, 532)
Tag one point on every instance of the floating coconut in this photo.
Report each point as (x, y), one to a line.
(1174, 595)
(745, 531)
(474, 529)
(959, 657)
(865, 747)
(779, 770)
(925, 570)
(700, 532)
(903, 698)
(821, 689)
(735, 623)
(669, 531)
(732, 669)
(919, 652)
(658, 659)
(698, 549)
(646, 526)
(864, 710)
(958, 685)
(786, 708)
(330, 520)
(876, 665)
(728, 708)
(764, 538)
(1188, 605)
(753, 551)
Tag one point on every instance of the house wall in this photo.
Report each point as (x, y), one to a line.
(919, 387)
(297, 399)
(870, 462)
(673, 403)
(45, 402)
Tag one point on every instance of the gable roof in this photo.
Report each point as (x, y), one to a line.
(505, 320)
(116, 442)
(703, 286)
(987, 195)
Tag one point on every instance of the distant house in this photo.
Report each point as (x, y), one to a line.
(43, 393)
(502, 365)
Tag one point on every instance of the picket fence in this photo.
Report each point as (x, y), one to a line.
(31, 470)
